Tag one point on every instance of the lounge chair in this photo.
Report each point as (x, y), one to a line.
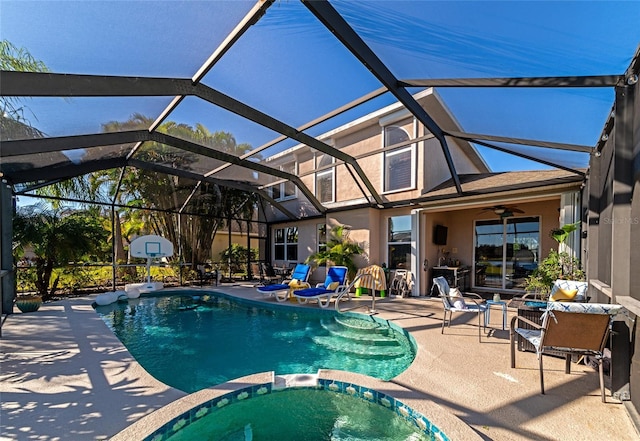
(334, 284)
(454, 301)
(282, 291)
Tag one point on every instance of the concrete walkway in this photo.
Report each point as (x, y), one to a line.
(65, 376)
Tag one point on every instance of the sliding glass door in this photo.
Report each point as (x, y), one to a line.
(506, 251)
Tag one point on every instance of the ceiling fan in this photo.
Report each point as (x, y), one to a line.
(503, 210)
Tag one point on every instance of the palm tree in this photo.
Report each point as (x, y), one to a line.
(339, 251)
(57, 236)
(13, 122)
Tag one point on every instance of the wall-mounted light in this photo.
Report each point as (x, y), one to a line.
(604, 137)
(632, 79)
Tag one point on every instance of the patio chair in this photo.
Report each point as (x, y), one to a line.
(282, 291)
(570, 328)
(206, 274)
(268, 274)
(334, 284)
(455, 301)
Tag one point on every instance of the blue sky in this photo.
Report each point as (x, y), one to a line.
(292, 68)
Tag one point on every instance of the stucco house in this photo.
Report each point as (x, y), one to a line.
(490, 237)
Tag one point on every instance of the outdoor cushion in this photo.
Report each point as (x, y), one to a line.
(458, 300)
(563, 294)
(301, 272)
(273, 288)
(335, 274)
(582, 287)
(311, 292)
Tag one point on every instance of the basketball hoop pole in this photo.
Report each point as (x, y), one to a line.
(149, 257)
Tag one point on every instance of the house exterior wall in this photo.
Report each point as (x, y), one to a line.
(364, 140)
(460, 239)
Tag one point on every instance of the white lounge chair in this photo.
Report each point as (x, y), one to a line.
(334, 284)
(282, 291)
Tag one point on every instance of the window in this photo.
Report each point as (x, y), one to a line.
(398, 163)
(506, 251)
(285, 190)
(325, 189)
(399, 242)
(322, 238)
(286, 244)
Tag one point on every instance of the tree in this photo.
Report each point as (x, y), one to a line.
(57, 236)
(13, 122)
(210, 206)
(339, 251)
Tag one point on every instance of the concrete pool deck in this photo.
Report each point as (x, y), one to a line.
(65, 376)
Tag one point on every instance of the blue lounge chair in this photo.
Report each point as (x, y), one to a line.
(281, 291)
(334, 284)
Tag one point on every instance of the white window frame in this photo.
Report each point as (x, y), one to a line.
(325, 173)
(282, 186)
(285, 244)
(504, 221)
(408, 242)
(321, 245)
(387, 153)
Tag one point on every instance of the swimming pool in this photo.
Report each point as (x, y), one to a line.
(192, 341)
(330, 411)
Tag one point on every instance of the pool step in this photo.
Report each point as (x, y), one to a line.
(382, 337)
(357, 348)
(360, 325)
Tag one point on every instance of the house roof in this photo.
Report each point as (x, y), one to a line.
(503, 184)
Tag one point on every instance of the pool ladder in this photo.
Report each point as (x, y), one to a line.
(346, 291)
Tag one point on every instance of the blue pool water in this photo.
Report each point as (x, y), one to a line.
(303, 414)
(194, 344)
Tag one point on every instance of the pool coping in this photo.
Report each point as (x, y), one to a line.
(173, 417)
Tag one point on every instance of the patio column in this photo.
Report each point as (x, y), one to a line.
(7, 274)
(625, 255)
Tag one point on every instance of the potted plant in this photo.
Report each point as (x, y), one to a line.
(557, 265)
(28, 302)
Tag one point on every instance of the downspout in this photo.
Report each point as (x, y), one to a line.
(180, 248)
(113, 247)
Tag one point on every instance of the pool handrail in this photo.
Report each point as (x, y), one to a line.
(372, 310)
